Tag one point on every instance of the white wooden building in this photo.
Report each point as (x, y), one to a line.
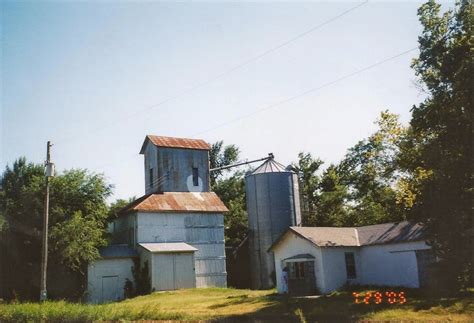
(178, 234)
(323, 259)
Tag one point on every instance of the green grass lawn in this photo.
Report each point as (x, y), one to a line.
(230, 305)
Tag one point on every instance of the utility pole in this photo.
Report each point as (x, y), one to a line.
(49, 172)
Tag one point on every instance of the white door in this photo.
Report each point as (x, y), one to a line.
(184, 276)
(110, 287)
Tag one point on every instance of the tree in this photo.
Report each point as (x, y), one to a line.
(333, 197)
(369, 169)
(361, 189)
(78, 213)
(21, 207)
(220, 156)
(440, 141)
(76, 241)
(115, 207)
(307, 168)
(231, 190)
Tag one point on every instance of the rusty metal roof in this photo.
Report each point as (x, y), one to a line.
(359, 236)
(172, 142)
(178, 202)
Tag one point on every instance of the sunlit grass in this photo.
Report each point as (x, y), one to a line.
(220, 303)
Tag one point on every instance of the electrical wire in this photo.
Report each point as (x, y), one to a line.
(219, 76)
(297, 96)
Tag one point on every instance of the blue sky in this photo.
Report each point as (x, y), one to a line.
(86, 76)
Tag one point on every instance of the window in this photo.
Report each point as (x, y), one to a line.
(195, 176)
(350, 265)
(150, 176)
(296, 270)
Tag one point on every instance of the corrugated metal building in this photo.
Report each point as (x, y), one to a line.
(106, 277)
(175, 164)
(177, 227)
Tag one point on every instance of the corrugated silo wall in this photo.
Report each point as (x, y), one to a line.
(272, 208)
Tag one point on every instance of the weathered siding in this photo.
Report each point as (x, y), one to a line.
(150, 162)
(103, 270)
(172, 169)
(391, 264)
(204, 231)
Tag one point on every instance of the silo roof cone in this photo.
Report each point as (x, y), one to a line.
(270, 166)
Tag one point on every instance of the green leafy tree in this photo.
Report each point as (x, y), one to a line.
(78, 213)
(21, 202)
(115, 207)
(231, 190)
(332, 201)
(369, 169)
(76, 240)
(220, 156)
(307, 168)
(438, 151)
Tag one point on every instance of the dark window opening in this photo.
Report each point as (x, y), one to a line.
(350, 265)
(195, 176)
(150, 176)
(296, 270)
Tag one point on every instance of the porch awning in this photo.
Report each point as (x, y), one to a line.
(300, 258)
(168, 247)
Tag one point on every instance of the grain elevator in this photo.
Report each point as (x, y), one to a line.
(273, 205)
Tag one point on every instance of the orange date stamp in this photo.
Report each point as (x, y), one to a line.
(389, 297)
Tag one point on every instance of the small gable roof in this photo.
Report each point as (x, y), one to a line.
(178, 202)
(172, 142)
(328, 237)
(358, 236)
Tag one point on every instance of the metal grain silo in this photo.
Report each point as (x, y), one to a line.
(273, 205)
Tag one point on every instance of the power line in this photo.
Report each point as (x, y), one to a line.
(297, 96)
(274, 105)
(221, 75)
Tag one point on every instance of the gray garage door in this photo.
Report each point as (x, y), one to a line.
(173, 271)
(109, 288)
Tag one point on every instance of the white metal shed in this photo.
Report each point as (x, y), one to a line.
(171, 265)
